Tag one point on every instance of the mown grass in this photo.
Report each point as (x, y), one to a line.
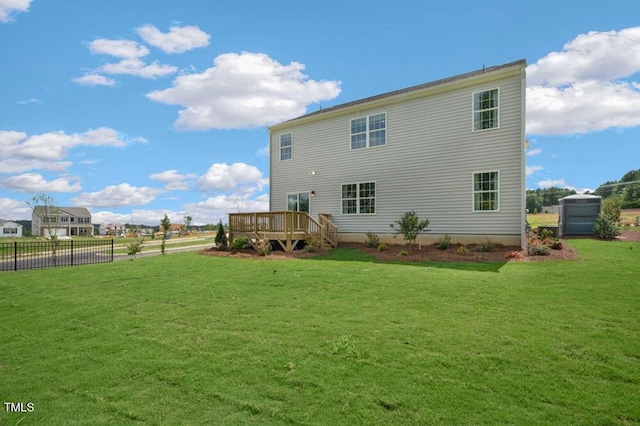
(341, 339)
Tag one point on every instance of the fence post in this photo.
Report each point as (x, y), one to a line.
(15, 255)
(71, 252)
(112, 249)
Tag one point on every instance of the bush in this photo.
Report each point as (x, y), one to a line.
(312, 245)
(239, 243)
(444, 242)
(605, 227)
(410, 226)
(538, 249)
(611, 207)
(221, 237)
(462, 250)
(382, 247)
(134, 247)
(372, 240)
(553, 243)
(403, 253)
(262, 247)
(486, 246)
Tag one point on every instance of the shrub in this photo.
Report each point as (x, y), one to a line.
(605, 227)
(513, 255)
(486, 246)
(403, 253)
(611, 207)
(553, 243)
(372, 240)
(262, 247)
(444, 242)
(312, 245)
(382, 247)
(538, 249)
(239, 243)
(545, 233)
(410, 226)
(462, 250)
(221, 237)
(134, 247)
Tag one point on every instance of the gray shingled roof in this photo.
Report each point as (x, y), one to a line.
(520, 62)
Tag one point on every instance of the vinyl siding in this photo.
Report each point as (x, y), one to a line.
(427, 164)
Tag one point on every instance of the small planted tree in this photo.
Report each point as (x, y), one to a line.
(410, 226)
(187, 223)
(45, 210)
(134, 247)
(165, 224)
(221, 237)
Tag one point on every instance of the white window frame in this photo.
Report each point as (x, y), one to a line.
(495, 108)
(358, 198)
(283, 148)
(485, 191)
(10, 231)
(368, 131)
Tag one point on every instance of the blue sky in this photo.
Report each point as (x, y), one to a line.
(139, 108)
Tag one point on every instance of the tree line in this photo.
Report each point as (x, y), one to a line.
(626, 191)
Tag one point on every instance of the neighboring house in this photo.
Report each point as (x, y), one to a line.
(112, 229)
(453, 150)
(61, 221)
(174, 228)
(9, 229)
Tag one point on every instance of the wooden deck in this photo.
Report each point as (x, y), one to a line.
(286, 227)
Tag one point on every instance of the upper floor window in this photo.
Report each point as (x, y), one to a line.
(485, 109)
(286, 146)
(369, 131)
(486, 191)
(359, 198)
(64, 219)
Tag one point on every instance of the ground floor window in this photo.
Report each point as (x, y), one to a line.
(359, 198)
(486, 191)
(10, 231)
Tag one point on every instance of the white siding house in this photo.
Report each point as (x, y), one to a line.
(452, 150)
(61, 221)
(9, 229)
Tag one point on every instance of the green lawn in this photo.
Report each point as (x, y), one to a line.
(192, 339)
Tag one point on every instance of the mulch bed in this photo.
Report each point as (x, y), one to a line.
(431, 252)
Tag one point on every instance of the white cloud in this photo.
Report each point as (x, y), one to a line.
(21, 152)
(117, 196)
(94, 79)
(243, 90)
(17, 165)
(30, 101)
(130, 53)
(10, 7)
(217, 208)
(125, 49)
(35, 182)
(137, 67)
(177, 40)
(14, 209)
(53, 146)
(532, 169)
(173, 180)
(583, 88)
(549, 183)
(534, 152)
(238, 176)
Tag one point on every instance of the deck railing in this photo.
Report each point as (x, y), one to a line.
(283, 225)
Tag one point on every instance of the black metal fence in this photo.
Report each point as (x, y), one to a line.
(48, 254)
